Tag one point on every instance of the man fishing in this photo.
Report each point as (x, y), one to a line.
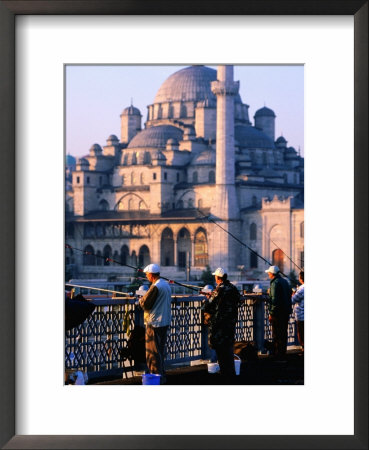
(157, 316)
(220, 314)
(279, 310)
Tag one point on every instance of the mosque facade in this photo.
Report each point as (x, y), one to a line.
(188, 188)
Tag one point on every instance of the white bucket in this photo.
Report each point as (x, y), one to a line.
(213, 367)
(237, 364)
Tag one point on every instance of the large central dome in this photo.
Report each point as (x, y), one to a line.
(189, 84)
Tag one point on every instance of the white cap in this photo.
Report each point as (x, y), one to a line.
(208, 288)
(273, 269)
(219, 272)
(142, 289)
(152, 268)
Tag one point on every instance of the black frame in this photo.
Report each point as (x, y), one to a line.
(8, 11)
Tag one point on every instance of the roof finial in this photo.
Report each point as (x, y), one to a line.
(131, 101)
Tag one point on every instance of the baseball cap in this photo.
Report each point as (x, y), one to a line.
(219, 272)
(152, 268)
(272, 269)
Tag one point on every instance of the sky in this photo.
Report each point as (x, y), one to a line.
(97, 94)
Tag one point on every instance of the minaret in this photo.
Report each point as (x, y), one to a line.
(225, 202)
(226, 250)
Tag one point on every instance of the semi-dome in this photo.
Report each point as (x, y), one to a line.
(264, 112)
(156, 136)
(251, 137)
(131, 111)
(206, 157)
(189, 84)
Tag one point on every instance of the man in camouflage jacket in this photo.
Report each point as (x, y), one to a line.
(220, 314)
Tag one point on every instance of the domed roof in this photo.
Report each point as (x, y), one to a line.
(264, 112)
(156, 136)
(131, 111)
(112, 137)
(281, 140)
(251, 137)
(95, 148)
(83, 161)
(290, 152)
(205, 157)
(70, 160)
(189, 84)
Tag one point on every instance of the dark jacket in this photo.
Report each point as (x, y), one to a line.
(223, 309)
(280, 296)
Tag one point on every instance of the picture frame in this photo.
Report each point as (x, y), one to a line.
(8, 11)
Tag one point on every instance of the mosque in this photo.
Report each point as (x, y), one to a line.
(148, 195)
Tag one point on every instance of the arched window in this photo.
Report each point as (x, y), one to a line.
(212, 176)
(190, 202)
(107, 255)
(160, 112)
(201, 248)
(142, 178)
(147, 158)
(88, 230)
(167, 248)
(253, 232)
(69, 258)
(180, 204)
(99, 258)
(120, 206)
(124, 254)
(170, 111)
(278, 259)
(89, 256)
(183, 110)
(130, 204)
(125, 160)
(183, 246)
(253, 260)
(195, 177)
(100, 232)
(302, 229)
(133, 178)
(104, 205)
(134, 159)
(144, 256)
(141, 205)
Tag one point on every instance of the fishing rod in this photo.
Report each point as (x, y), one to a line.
(98, 289)
(271, 240)
(194, 288)
(238, 240)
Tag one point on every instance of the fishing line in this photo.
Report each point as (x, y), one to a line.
(107, 259)
(271, 240)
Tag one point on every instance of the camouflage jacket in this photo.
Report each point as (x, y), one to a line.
(223, 309)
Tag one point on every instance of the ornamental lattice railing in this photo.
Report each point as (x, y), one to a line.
(99, 345)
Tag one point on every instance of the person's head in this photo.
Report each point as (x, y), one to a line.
(272, 272)
(301, 277)
(152, 272)
(220, 275)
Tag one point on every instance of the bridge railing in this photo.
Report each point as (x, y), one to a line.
(99, 345)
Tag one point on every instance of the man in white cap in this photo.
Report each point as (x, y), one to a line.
(157, 316)
(279, 310)
(220, 314)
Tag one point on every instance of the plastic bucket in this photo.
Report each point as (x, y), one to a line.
(213, 367)
(237, 364)
(151, 379)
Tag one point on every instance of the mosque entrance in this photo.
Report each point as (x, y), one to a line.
(278, 259)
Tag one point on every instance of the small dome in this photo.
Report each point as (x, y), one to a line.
(264, 112)
(95, 148)
(251, 137)
(112, 138)
(70, 160)
(206, 157)
(156, 136)
(131, 111)
(83, 162)
(290, 152)
(281, 140)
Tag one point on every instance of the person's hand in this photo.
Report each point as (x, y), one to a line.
(206, 318)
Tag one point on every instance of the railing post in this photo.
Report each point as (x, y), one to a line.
(259, 325)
